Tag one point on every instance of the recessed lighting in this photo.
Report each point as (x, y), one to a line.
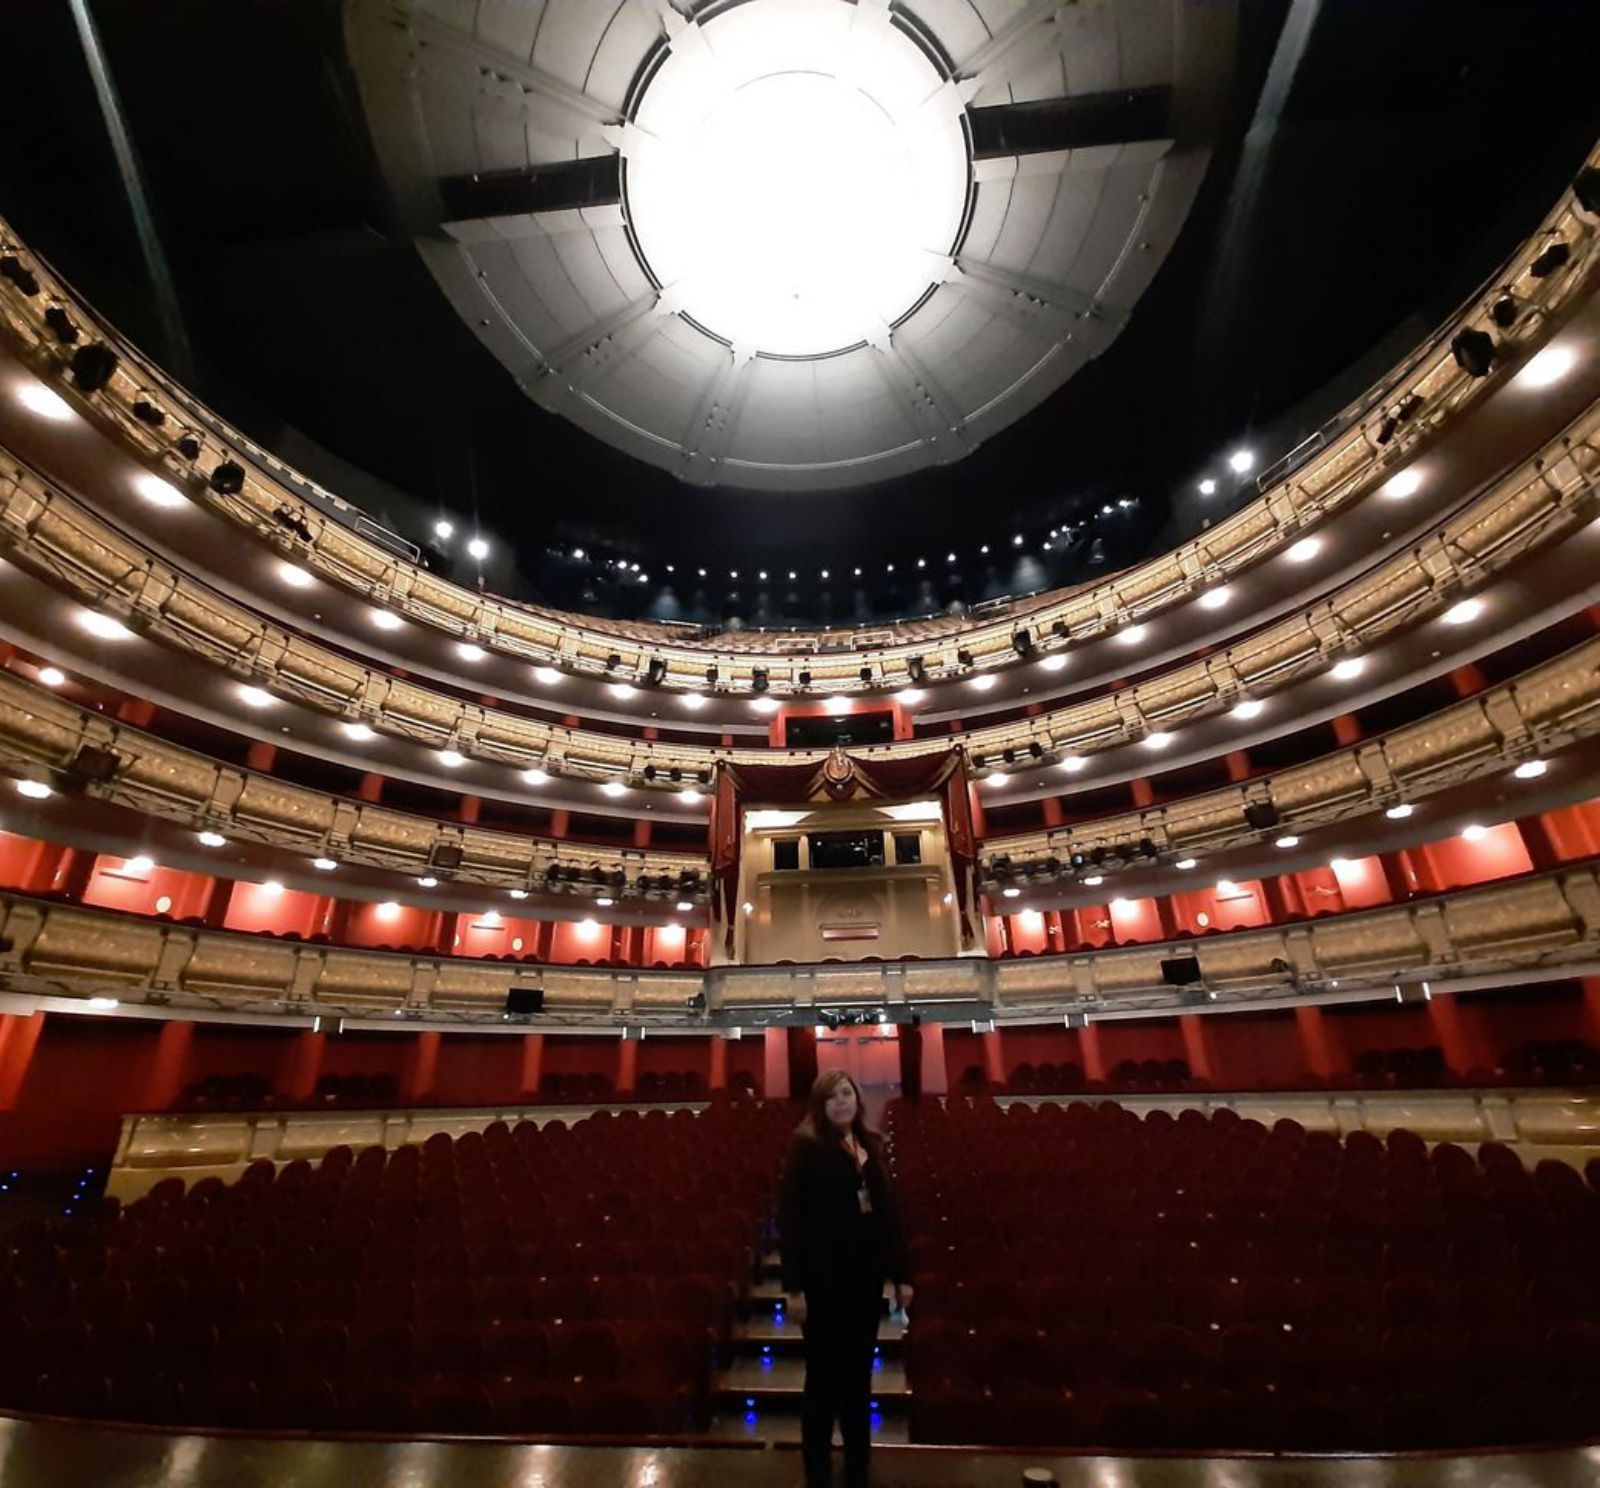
(52, 676)
(1351, 666)
(467, 651)
(211, 839)
(1547, 366)
(1052, 663)
(452, 759)
(623, 689)
(1304, 550)
(909, 696)
(1240, 461)
(490, 917)
(1247, 709)
(326, 865)
(386, 620)
(158, 492)
(444, 529)
(104, 1004)
(764, 705)
(981, 683)
(360, 732)
(1400, 812)
(1476, 832)
(1072, 763)
(823, 574)
(1012, 893)
(1158, 740)
(549, 676)
(841, 707)
(272, 888)
(689, 795)
(1185, 863)
(34, 790)
(105, 627)
(388, 910)
(1402, 484)
(256, 697)
(1464, 612)
(1287, 840)
(613, 788)
(536, 776)
(428, 881)
(1226, 887)
(1530, 769)
(692, 700)
(139, 863)
(1208, 487)
(1214, 599)
(478, 548)
(294, 576)
(1131, 635)
(685, 907)
(1094, 880)
(995, 777)
(517, 893)
(37, 398)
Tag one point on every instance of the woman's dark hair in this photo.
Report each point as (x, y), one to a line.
(816, 1124)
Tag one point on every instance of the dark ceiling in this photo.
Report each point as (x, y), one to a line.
(1418, 142)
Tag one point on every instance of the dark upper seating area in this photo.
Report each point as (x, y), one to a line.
(531, 1279)
(1091, 1278)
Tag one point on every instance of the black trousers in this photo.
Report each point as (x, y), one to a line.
(840, 1330)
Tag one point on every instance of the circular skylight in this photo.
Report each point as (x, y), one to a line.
(788, 184)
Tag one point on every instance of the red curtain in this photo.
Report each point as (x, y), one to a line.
(943, 775)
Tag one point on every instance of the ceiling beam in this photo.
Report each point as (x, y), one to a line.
(1082, 122)
(559, 186)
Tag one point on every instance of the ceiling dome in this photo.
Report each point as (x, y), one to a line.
(793, 244)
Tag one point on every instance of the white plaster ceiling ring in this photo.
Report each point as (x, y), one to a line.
(796, 175)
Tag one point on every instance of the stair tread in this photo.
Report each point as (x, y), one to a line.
(780, 1422)
(764, 1329)
(787, 1375)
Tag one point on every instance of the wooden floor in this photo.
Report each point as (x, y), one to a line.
(48, 1454)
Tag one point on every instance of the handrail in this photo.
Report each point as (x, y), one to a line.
(1428, 379)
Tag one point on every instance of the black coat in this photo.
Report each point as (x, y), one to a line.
(827, 1243)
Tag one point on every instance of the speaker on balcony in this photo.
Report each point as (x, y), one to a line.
(522, 1001)
(445, 855)
(1180, 971)
(92, 765)
(1261, 815)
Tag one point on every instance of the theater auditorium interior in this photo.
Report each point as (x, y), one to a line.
(569, 565)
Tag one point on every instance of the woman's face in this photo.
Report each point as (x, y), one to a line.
(842, 1104)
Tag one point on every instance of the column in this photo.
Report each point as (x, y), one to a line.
(1395, 877)
(469, 809)
(1346, 730)
(545, 940)
(1276, 901)
(935, 1073)
(1238, 765)
(627, 1066)
(1094, 1059)
(1448, 1021)
(370, 788)
(422, 1067)
(19, 1038)
(775, 1064)
(219, 895)
(1166, 916)
(167, 1069)
(444, 937)
(1197, 1047)
(641, 832)
(532, 1062)
(1316, 1040)
(994, 1058)
(261, 756)
(72, 877)
(718, 1078)
(1542, 852)
(304, 1065)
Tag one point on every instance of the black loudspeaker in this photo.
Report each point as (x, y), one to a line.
(445, 855)
(93, 366)
(1474, 351)
(521, 1001)
(228, 478)
(1261, 814)
(93, 765)
(1180, 971)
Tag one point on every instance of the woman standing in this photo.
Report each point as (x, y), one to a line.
(840, 1235)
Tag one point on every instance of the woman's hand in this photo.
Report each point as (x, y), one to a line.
(902, 1294)
(796, 1308)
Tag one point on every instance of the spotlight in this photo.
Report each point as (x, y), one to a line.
(147, 413)
(656, 670)
(803, 677)
(13, 268)
(228, 478)
(61, 325)
(759, 679)
(964, 657)
(1505, 311)
(711, 675)
(189, 447)
(613, 661)
(1474, 351)
(1586, 188)
(866, 676)
(1022, 642)
(93, 366)
(1550, 260)
(478, 548)
(917, 670)
(1405, 410)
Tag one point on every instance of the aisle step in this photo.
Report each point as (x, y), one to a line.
(782, 1380)
(740, 1423)
(763, 1330)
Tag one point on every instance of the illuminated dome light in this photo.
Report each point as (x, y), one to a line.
(478, 548)
(1240, 461)
(1247, 709)
(605, 903)
(1530, 769)
(52, 676)
(1012, 893)
(386, 620)
(104, 627)
(549, 676)
(294, 576)
(139, 865)
(1121, 905)
(623, 689)
(1186, 863)
(517, 893)
(685, 907)
(1304, 550)
(1464, 612)
(692, 700)
(452, 759)
(1226, 888)
(1351, 666)
(40, 400)
(34, 790)
(1131, 635)
(104, 1004)
(995, 777)
(1404, 483)
(359, 732)
(388, 910)
(1094, 880)
(1287, 840)
(427, 881)
(211, 839)
(841, 707)
(784, 182)
(1052, 663)
(1547, 367)
(272, 888)
(1208, 487)
(157, 491)
(324, 865)
(444, 530)
(1158, 740)
(689, 796)
(1214, 599)
(1400, 812)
